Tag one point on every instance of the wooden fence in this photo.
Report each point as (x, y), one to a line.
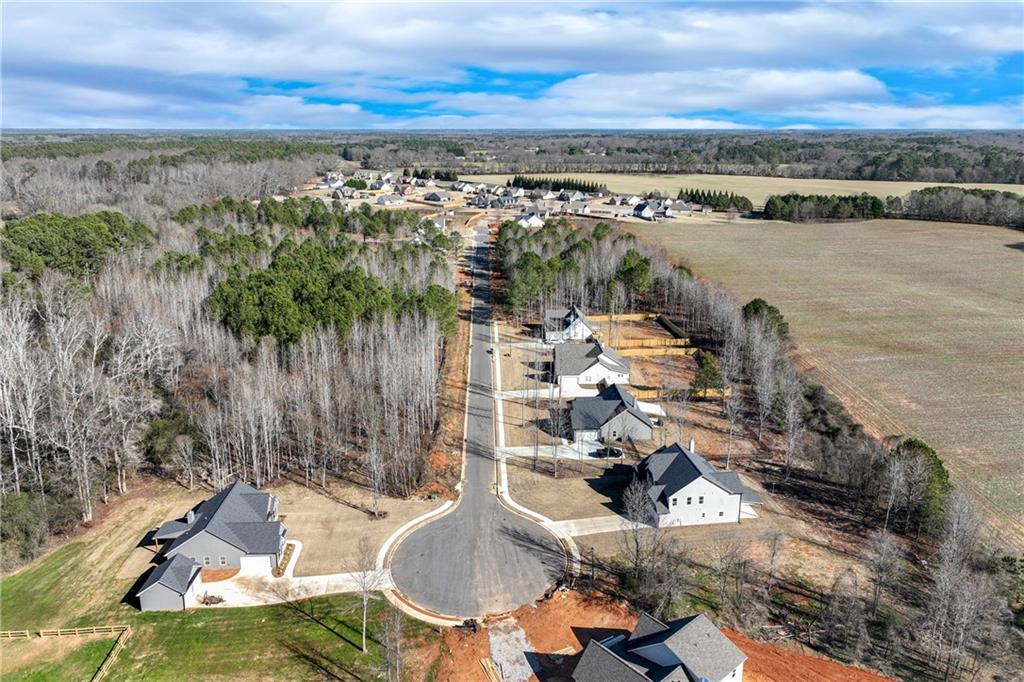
(656, 352)
(625, 344)
(623, 317)
(112, 654)
(80, 632)
(15, 634)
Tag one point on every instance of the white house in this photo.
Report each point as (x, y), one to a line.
(390, 200)
(690, 649)
(576, 208)
(686, 491)
(588, 364)
(531, 220)
(382, 186)
(566, 324)
(644, 210)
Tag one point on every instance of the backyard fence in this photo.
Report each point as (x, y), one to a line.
(656, 352)
(626, 344)
(625, 317)
(112, 654)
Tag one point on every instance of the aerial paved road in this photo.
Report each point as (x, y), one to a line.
(481, 558)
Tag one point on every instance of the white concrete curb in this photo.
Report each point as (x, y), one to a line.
(503, 493)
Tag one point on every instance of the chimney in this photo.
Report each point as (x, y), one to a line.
(693, 445)
(190, 516)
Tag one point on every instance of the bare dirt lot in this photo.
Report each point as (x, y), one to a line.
(917, 326)
(756, 188)
(582, 490)
(557, 630)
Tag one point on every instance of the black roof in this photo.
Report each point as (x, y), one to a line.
(239, 515)
(176, 574)
(671, 468)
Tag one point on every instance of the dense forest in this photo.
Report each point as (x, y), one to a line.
(906, 517)
(719, 200)
(275, 337)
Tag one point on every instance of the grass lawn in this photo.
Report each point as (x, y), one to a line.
(756, 188)
(53, 658)
(77, 585)
(915, 325)
(596, 491)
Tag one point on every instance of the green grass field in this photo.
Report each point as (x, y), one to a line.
(80, 663)
(78, 585)
(756, 188)
(916, 325)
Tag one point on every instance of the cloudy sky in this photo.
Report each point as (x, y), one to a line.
(458, 65)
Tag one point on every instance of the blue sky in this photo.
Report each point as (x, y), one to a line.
(460, 65)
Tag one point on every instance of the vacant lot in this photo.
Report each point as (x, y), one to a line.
(757, 189)
(916, 325)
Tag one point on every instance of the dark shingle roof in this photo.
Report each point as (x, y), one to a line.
(593, 413)
(558, 319)
(176, 574)
(698, 644)
(673, 467)
(574, 358)
(600, 664)
(239, 515)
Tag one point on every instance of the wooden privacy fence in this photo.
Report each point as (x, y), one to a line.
(656, 352)
(624, 317)
(625, 344)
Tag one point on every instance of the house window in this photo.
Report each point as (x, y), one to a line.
(721, 513)
(702, 515)
(206, 561)
(700, 500)
(224, 559)
(674, 501)
(689, 500)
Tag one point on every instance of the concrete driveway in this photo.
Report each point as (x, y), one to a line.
(480, 558)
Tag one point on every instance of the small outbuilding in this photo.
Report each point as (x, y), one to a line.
(172, 586)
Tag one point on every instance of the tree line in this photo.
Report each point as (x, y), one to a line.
(719, 200)
(807, 207)
(954, 204)
(557, 184)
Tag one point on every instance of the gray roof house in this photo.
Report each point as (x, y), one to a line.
(566, 324)
(171, 586)
(589, 364)
(685, 489)
(690, 649)
(613, 414)
(236, 528)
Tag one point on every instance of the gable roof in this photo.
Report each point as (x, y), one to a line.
(559, 319)
(593, 413)
(176, 574)
(575, 358)
(600, 664)
(673, 467)
(239, 515)
(703, 651)
(698, 644)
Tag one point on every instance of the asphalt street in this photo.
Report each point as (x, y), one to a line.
(481, 558)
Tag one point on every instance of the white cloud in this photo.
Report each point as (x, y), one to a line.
(645, 66)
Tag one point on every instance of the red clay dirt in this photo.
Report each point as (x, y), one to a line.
(560, 628)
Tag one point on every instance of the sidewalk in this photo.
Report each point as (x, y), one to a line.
(592, 526)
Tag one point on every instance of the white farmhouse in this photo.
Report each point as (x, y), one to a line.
(613, 414)
(686, 491)
(391, 200)
(565, 324)
(588, 364)
(530, 220)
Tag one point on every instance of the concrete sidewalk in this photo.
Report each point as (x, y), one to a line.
(253, 590)
(592, 526)
(587, 451)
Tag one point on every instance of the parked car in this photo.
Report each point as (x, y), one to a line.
(611, 452)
